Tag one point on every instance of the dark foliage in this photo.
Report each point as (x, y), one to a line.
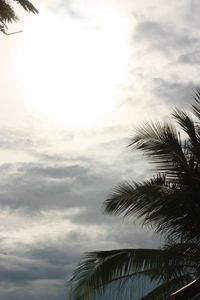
(8, 14)
(169, 202)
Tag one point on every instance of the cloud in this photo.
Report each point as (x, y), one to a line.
(190, 58)
(54, 259)
(34, 290)
(60, 182)
(51, 192)
(174, 93)
(45, 193)
(163, 37)
(49, 262)
(53, 171)
(19, 139)
(192, 14)
(35, 188)
(37, 191)
(75, 10)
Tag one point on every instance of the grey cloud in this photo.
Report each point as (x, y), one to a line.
(131, 235)
(63, 252)
(55, 259)
(35, 188)
(192, 14)
(42, 170)
(21, 268)
(174, 93)
(190, 58)
(93, 215)
(18, 139)
(164, 37)
(47, 264)
(82, 183)
(51, 157)
(34, 290)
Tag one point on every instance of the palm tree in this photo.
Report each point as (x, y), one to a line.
(169, 202)
(8, 14)
(120, 273)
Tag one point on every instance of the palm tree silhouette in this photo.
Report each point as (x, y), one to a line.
(168, 202)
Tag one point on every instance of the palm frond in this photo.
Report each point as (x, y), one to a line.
(99, 270)
(28, 6)
(7, 13)
(168, 209)
(163, 145)
(196, 105)
(188, 126)
(128, 198)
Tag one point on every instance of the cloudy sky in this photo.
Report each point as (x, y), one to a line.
(74, 85)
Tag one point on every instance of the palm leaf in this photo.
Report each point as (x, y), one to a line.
(196, 105)
(163, 145)
(188, 126)
(28, 6)
(166, 208)
(99, 270)
(129, 198)
(7, 13)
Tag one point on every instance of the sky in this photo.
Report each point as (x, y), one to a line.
(75, 84)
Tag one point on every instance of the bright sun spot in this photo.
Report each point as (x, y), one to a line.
(71, 72)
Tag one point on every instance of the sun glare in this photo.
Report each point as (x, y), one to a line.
(71, 71)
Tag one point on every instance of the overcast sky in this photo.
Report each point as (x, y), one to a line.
(74, 85)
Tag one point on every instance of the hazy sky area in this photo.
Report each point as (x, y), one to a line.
(74, 86)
